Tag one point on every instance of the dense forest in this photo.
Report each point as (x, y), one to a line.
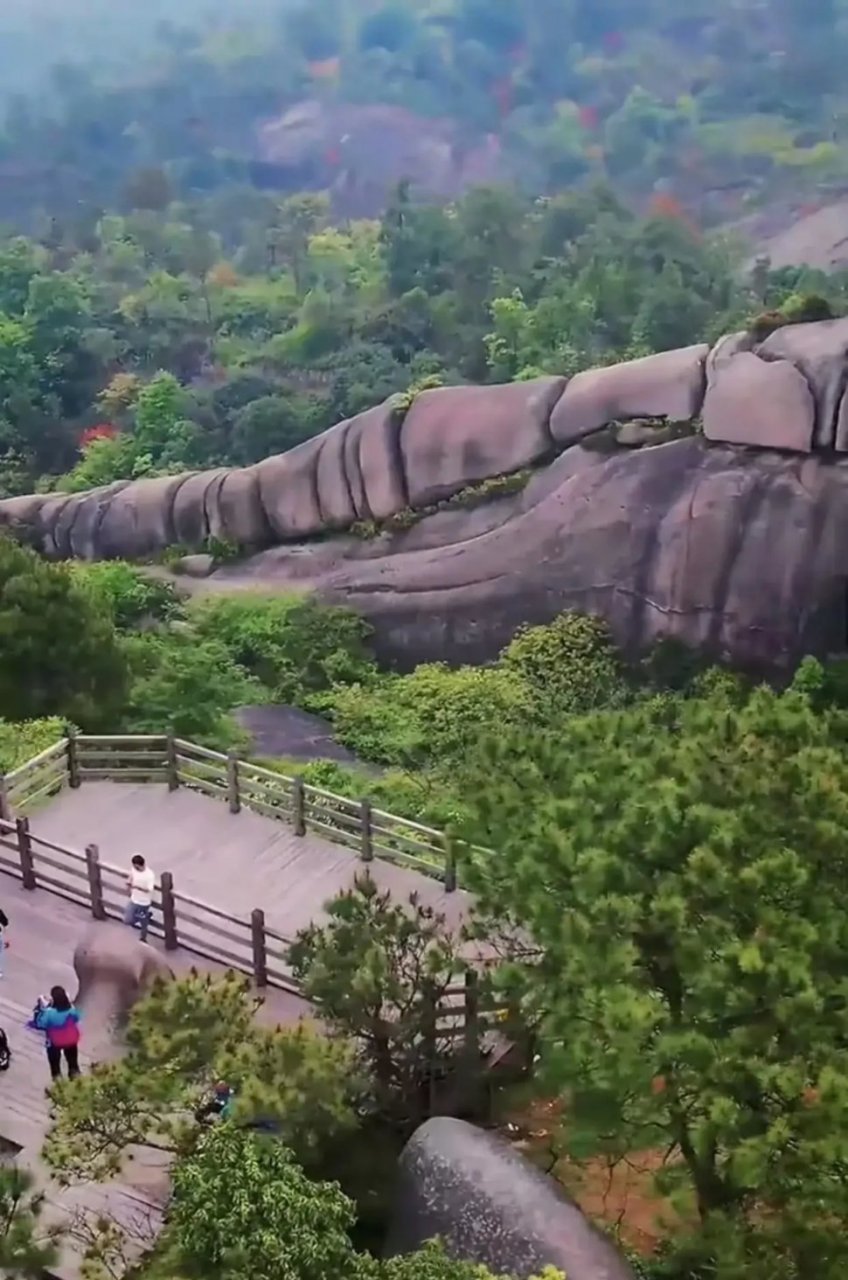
(183, 283)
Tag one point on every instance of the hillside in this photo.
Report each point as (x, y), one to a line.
(729, 105)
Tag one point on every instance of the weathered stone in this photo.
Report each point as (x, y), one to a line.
(335, 495)
(670, 385)
(139, 519)
(113, 971)
(50, 513)
(190, 519)
(739, 553)
(288, 491)
(374, 463)
(637, 435)
(754, 402)
(84, 532)
(820, 353)
(196, 566)
(841, 440)
(240, 512)
(454, 436)
(489, 1205)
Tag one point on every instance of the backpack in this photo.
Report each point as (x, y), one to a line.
(5, 1051)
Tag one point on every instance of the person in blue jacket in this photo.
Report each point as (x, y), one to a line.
(59, 1020)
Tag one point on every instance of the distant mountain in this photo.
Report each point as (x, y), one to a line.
(724, 109)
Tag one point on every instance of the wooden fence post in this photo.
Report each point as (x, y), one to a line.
(299, 808)
(72, 754)
(260, 951)
(429, 1034)
(472, 1016)
(171, 762)
(169, 911)
(25, 853)
(233, 783)
(5, 807)
(367, 849)
(450, 865)
(95, 881)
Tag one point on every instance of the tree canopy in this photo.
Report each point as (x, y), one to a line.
(681, 870)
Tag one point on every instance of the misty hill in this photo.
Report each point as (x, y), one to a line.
(728, 105)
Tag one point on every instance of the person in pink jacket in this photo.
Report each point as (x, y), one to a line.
(59, 1020)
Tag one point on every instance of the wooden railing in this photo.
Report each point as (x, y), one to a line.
(355, 824)
(246, 944)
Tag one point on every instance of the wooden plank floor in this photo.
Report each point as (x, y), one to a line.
(42, 934)
(233, 861)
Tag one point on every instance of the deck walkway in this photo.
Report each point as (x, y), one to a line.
(233, 861)
(43, 933)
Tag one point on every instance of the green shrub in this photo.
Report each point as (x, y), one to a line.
(129, 594)
(20, 741)
(435, 713)
(186, 685)
(297, 648)
(569, 666)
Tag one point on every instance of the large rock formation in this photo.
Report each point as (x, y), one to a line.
(490, 1205)
(730, 538)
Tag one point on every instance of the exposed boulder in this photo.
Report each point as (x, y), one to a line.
(737, 550)
(454, 436)
(196, 566)
(374, 465)
(139, 519)
(753, 402)
(114, 970)
(669, 385)
(820, 353)
(490, 1205)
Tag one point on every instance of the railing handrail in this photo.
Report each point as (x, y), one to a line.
(15, 835)
(375, 833)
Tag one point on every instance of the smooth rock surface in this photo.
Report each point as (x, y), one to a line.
(454, 436)
(820, 353)
(738, 552)
(670, 385)
(754, 402)
(490, 1205)
(114, 970)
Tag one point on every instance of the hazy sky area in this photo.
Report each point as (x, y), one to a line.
(35, 35)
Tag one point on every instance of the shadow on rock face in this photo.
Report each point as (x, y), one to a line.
(490, 1205)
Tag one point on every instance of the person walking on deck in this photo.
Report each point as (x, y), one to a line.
(141, 884)
(59, 1020)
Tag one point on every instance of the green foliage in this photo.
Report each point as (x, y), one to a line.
(796, 309)
(376, 970)
(569, 666)
(185, 685)
(183, 1037)
(473, 495)
(131, 596)
(682, 870)
(438, 713)
(241, 1207)
(27, 1248)
(21, 742)
(295, 647)
(59, 653)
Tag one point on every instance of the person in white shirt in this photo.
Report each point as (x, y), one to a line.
(141, 884)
